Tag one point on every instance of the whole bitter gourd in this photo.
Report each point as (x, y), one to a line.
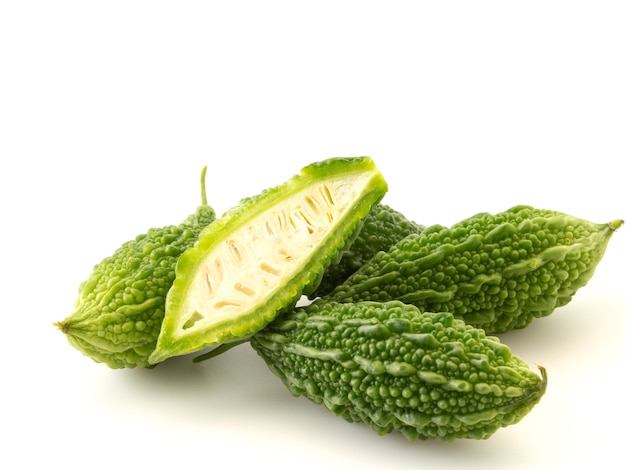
(497, 272)
(120, 307)
(381, 229)
(393, 367)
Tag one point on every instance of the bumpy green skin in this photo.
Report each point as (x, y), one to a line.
(497, 272)
(381, 229)
(426, 375)
(120, 307)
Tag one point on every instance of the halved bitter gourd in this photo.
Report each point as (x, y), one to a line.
(260, 256)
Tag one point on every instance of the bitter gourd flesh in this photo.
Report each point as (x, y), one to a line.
(120, 306)
(393, 367)
(381, 229)
(263, 254)
(497, 272)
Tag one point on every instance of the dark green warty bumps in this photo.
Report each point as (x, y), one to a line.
(120, 307)
(380, 230)
(497, 272)
(426, 375)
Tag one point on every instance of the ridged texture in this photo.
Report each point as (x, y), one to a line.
(120, 307)
(381, 229)
(497, 272)
(426, 375)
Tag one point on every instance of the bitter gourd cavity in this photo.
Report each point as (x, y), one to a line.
(120, 307)
(261, 256)
(393, 367)
(380, 230)
(497, 272)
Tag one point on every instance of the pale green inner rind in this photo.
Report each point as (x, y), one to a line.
(257, 259)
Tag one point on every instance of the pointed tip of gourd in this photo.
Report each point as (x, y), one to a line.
(155, 359)
(63, 326)
(158, 355)
(615, 224)
(544, 378)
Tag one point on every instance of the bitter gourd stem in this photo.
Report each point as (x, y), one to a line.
(62, 325)
(615, 224)
(222, 348)
(203, 187)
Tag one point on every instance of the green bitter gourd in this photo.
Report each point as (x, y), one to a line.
(120, 306)
(262, 255)
(393, 367)
(497, 272)
(380, 230)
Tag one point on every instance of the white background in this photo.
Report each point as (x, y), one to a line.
(109, 110)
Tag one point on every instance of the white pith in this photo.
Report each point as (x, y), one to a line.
(247, 267)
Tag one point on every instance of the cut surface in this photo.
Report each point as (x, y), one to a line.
(258, 258)
(248, 266)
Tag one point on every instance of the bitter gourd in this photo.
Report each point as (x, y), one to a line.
(393, 367)
(120, 306)
(263, 254)
(497, 272)
(381, 229)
